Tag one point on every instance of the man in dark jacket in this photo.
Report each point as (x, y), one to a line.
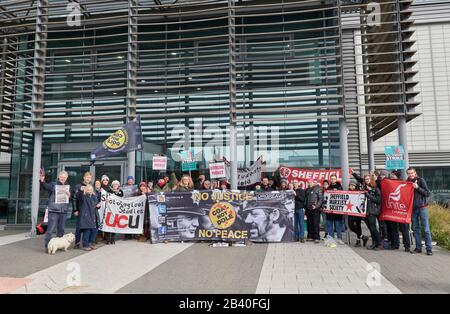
(265, 186)
(300, 199)
(57, 212)
(79, 190)
(314, 200)
(420, 211)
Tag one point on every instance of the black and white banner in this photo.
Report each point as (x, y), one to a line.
(222, 216)
(123, 215)
(351, 203)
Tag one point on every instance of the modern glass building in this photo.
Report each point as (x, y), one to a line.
(291, 78)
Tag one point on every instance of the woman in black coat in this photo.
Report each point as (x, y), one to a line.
(373, 195)
(88, 201)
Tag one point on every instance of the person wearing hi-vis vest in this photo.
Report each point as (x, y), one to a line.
(420, 212)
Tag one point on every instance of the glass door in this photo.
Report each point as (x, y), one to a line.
(114, 172)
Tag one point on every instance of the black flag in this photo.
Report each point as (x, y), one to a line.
(127, 139)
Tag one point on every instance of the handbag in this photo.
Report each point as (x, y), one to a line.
(42, 227)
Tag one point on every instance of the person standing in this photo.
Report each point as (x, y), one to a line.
(79, 190)
(265, 185)
(186, 184)
(115, 189)
(314, 200)
(88, 201)
(105, 184)
(393, 227)
(334, 222)
(300, 199)
(354, 222)
(373, 195)
(57, 213)
(420, 212)
(143, 190)
(200, 182)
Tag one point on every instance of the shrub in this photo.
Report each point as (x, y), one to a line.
(440, 225)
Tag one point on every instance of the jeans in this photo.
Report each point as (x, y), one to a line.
(300, 223)
(334, 226)
(89, 236)
(57, 220)
(420, 218)
(371, 222)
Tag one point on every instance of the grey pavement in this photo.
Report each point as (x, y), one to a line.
(202, 269)
(294, 268)
(413, 273)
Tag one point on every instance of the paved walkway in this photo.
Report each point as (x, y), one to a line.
(314, 268)
(134, 267)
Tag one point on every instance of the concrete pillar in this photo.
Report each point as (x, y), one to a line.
(403, 140)
(132, 60)
(37, 98)
(233, 91)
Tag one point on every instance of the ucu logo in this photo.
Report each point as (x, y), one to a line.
(121, 221)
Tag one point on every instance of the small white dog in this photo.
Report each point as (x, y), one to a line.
(62, 243)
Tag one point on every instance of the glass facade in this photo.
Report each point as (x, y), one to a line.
(189, 69)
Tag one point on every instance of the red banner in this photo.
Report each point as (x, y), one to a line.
(304, 175)
(397, 201)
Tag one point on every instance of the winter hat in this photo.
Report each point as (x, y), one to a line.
(143, 183)
(130, 178)
(115, 182)
(105, 177)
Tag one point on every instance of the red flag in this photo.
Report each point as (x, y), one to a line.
(397, 200)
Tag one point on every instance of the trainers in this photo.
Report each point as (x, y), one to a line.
(339, 241)
(76, 246)
(429, 253)
(93, 246)
(417, 251)
(87, 248)
(302, 240)
(316, 241)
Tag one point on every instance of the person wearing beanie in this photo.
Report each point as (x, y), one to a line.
(130, 180)
(105, 184)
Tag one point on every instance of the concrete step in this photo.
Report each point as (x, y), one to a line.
(25, 227)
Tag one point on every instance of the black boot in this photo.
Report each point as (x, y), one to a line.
(358, 243)
(365, 240)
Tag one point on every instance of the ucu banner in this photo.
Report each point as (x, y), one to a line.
(397, 201)
(124, 215)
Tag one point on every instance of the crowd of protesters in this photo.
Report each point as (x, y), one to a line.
(309, 204)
